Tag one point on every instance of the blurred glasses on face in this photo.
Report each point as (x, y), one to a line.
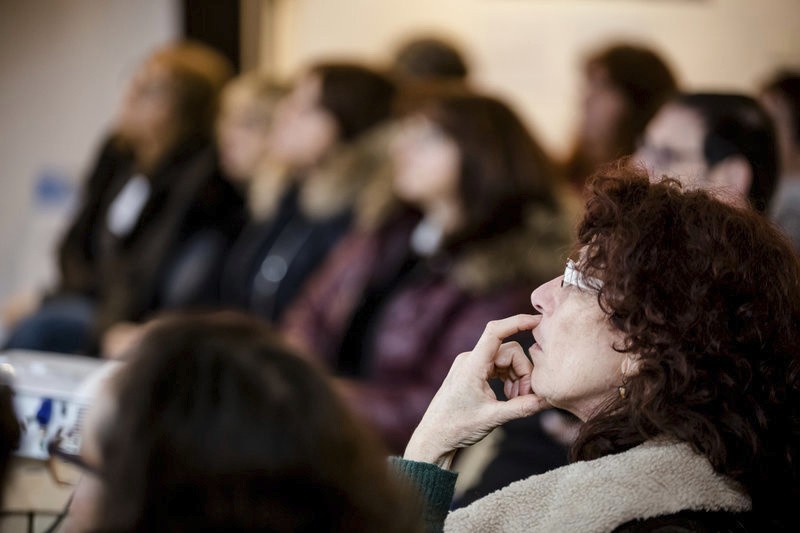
(65, 465)
(574, 277)
(665, 157)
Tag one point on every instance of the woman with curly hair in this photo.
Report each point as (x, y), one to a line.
(673, 335)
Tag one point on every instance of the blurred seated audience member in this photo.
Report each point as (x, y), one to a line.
(429, 58)
(401, 295)
(781, 99)
(10, 431)
(322, 135)
(212, 424)
(155, 184)
(325, 150)
(673, 335)
(723, 143)
(243, 124)
(624, 87)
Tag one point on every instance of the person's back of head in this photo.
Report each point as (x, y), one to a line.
(430, 58)
(218, 426)
(736, 126)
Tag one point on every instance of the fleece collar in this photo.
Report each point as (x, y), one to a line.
(653, 479)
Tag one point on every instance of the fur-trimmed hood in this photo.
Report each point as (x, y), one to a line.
(656, 478)
(355, 177)
(530, 254)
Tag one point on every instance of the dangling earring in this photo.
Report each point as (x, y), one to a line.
(623, 392)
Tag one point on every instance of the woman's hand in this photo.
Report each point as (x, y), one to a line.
(465, 408)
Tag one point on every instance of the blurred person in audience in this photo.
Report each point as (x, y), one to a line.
(212, 424)
(401, 293)
(325, 150)
(720, 142)
(781, 99)
(673, 336)
(624, 87)
(429, 58)
(155, 184)
(322, 135)
(243, 127)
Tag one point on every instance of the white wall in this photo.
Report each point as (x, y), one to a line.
(63, 65)
(531, 50)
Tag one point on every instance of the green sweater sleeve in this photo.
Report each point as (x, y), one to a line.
(434, 484)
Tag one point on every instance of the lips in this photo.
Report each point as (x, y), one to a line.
(535, 346)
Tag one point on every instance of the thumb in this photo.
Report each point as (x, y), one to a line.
(518, 407)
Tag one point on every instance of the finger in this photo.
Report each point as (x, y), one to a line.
(518, 407)
(511, 361)
(497, 331)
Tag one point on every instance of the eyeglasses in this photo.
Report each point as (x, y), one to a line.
(664, 157)
(572, 276)
(65, 465)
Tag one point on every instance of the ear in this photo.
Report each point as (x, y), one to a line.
(630, 365)
(733, 176)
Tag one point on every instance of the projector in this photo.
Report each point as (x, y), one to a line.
(52, 393)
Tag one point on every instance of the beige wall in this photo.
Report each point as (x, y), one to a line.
(531, 50)
(64, 65)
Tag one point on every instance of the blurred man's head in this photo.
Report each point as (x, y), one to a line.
(720, 142)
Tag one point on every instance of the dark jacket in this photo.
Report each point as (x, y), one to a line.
(124, 275)
(276, 253)
(271, 259)
(393, 323)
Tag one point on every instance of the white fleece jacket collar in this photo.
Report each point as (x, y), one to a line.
(653, 479)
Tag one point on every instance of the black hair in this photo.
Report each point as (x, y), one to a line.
(736, 124)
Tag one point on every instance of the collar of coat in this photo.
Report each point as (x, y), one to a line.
(654, 479)
(531, 254)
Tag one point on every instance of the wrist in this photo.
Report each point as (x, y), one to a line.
(424, 451)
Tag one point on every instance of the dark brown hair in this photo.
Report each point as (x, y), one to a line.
(220, 427)
(503, 168)
(708, 298)
(357, 97)
(737, 125)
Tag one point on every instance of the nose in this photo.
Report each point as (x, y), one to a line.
(543, 297)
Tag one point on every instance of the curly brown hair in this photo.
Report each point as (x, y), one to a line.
(708, 298)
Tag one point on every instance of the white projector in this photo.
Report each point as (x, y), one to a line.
(52, 393)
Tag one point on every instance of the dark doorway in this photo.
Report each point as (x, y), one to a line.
(216, 23)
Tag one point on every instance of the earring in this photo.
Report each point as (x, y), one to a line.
(623, 392)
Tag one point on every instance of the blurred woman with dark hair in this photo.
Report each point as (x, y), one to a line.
(401, 291)
(213, 424)
(155, 184)
(673, 335)
(625, 86)
(322, 136)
